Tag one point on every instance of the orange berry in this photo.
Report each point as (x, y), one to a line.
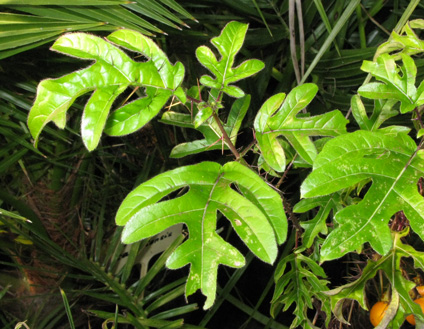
(420, 290)
(377, 312)
(419, 301)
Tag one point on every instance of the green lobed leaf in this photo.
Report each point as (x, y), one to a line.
(112, 72)
(400, 87)
(317, 225)
(406, 42)
(228, 43)
(255, 212)
(171, 75)
(382, 111)
(394, 166)
(277, 117)
(300, 285)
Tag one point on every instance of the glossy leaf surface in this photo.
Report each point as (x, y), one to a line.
(112, 72)
(394, 166)
(400, 87)
(254, 210)
(228, 44)
(278, 117)
(406, 42)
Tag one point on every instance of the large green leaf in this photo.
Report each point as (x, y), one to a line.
(277, 117)
(228, 43)
(394, 166)
(396, 86)
(254, 210)
(112, 72)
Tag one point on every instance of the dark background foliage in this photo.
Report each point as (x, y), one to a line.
(71, 196)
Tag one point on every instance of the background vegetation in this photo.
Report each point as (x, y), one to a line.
(60, 270)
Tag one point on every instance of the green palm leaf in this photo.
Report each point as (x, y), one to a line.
(106, 15)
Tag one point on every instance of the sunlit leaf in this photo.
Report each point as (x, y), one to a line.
(278, 117)
(112, 73)
(394, 166)
(228, 44)
(254, 210)
(406, 42)
(400, 87)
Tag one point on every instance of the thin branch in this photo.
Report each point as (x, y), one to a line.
(225, 135)
(381, 27)
(285, 173)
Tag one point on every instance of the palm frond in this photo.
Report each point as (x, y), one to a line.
(28, 24)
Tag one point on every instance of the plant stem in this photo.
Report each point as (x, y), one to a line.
(221, 127)
(248, 148)
(226, 137)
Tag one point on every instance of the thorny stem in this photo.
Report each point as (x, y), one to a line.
(419, 118)
(226, 137)
(247, 149)
(221, 128)
(285, 173)
(224, 133)
(194, 100)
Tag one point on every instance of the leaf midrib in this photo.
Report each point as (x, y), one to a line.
(380, 205)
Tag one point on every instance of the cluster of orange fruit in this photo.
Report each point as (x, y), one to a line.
(379, 309)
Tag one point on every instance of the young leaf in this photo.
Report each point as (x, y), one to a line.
(407, 42)
(394, 166)
(299, 285)
(112, 72)
(210, 130)
(255, 212)
(171, 75)
(228, 44)
(318, 224)
(383, 110)
(395, 86)
(380, 114)
(204, 113)
(277, 117)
